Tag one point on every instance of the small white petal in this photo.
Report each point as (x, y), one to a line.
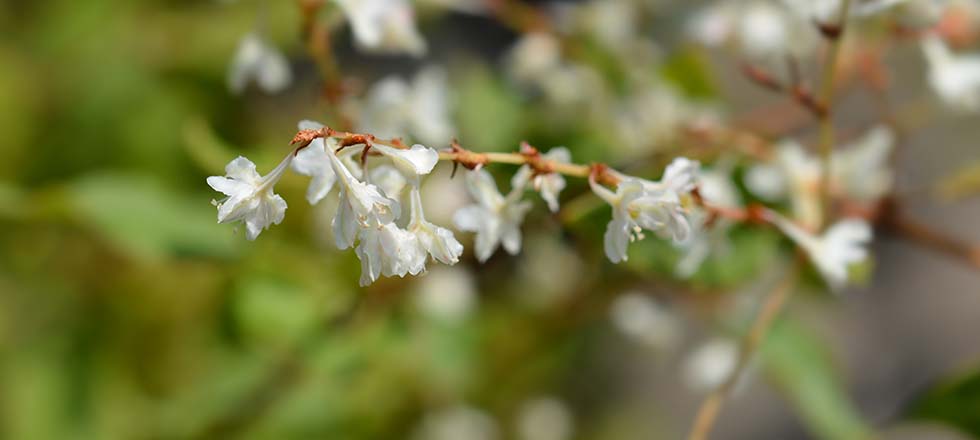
(418, 160)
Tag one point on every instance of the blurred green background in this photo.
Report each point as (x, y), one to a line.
(127, 312)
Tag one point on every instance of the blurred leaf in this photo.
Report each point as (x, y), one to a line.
(955, 402)
(274, 312)
(490, 115)
(801, 366)
(13, 201)
(204, 146)
(688, 70)
(145, 219)
(960, 184)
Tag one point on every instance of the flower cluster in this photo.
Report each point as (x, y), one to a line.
(368, 210)
(369, 214)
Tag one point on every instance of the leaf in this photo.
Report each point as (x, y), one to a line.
(955, 402)
(801, 367)
(144, 219)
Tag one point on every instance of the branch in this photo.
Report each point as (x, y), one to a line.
(711, 406)
(835, 34)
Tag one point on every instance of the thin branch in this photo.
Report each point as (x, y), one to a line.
(711, 406)
(929, 238)
(835, 34)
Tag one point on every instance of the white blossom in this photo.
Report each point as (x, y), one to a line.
(762, 29)
(545, 418)
(384, 26)
(250, 196)
(711, 364)
(388, 179)
(495, 219)
(393, 107)
(841, 245)
(859, 171)
(534, 57)
(256, 60)
(457, 422)
(548, 184)
(435, 240)
(385, 249)
(955, 78)
(362, 205)
(448, 294)
(716, 187)
(641, 204)
(639, 317)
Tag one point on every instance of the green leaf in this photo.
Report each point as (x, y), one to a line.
(955, 402)
(802, 368)
(144, 219)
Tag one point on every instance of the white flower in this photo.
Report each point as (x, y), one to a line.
(389, 179)
(362, 205)
(394, 107)
(639, 317)
(385, 26)
(955, 78)
(534, 57)
(763, 30)
(841, 245)
(437, 241)
(545, 418)
(385, 249)
(256, 60)
(711, 364)
(447, 294)
(641, 204)
(716, 187)
(495, 219)
(550, 184)
(712, 25)
(859, 171)
(250, 196)
(457, 422)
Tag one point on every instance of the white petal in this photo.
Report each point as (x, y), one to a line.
(243, 170)
(313, 161)
(430, 111)
(389, 180)
(483, 189)
(307, 124)
(681, 175)
(418, 160)
(229, 187)
(345, 225)
(616, 239)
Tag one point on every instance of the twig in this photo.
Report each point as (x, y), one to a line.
(927, 237)
(835, 34)
(711, 406)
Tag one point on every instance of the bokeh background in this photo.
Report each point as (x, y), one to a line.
(127, 312)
